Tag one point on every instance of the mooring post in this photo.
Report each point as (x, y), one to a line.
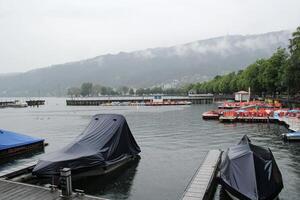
(66, 182)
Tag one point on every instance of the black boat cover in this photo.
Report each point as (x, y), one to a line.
(250, 172)
(106, 141)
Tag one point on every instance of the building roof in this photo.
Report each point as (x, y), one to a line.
(242, 92)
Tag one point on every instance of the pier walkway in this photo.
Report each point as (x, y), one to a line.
(203, 184)
(10, 190)
(13, 190)
(96, 101)
(201, 187)
(292, 123)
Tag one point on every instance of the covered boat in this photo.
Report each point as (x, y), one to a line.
(292, 136)
(106, 144)
(14, 144)
(249, 172)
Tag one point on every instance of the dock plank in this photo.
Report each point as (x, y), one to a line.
(202, 183)
(10, 190)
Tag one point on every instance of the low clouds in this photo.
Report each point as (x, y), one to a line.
(226, 45)
(38, 33)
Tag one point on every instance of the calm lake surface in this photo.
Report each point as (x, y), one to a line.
(173, 140)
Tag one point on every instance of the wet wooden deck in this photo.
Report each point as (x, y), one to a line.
(203, 184)
(10, 190)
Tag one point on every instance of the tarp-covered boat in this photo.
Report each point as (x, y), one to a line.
(292, 136)
(249, 172)
(13, 144)
(105, 144)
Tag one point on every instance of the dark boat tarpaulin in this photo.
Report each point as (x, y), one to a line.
(250, 172)
(9, 139)
(105, 141)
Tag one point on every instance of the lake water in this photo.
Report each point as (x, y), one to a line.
(173, 140)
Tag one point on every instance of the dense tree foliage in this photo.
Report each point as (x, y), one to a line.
(293, 67)
(278, 74)
(86, 89)
(89, 89)
(74, 92)
(159, 90)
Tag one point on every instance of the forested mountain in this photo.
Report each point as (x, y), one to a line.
(275, 76)
(195, 61)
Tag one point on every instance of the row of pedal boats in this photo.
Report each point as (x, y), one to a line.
(270, 114)
(247, 171)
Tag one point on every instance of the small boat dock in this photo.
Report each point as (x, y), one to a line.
(201, 187)
(20, 103)
(4, 104)
(141, 100)
(203, 183)
(10, 190)
(35, 102)
(13, 190)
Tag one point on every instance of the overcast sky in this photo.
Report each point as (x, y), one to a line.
(39, 33)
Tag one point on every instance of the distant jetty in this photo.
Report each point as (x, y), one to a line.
(142, 100)
(20, 104)
(35, 102)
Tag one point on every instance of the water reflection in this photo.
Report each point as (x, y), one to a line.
(6, 163)
(115, 185)
(223, 194)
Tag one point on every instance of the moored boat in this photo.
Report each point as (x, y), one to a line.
(250, 172)
(106, 144)
(211, 115)
(292, 136)
(14, 144)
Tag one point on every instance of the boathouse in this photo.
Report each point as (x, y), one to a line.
(242, 96)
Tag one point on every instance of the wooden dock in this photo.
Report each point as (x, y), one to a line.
(201, 187)
(194, 99)
(10, 190)
(35, 102)
(4, 104)
(13, 190)
(291, 123)
(203, 183)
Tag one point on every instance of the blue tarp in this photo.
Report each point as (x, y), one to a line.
(10, 139)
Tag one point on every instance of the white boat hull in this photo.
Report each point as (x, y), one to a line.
(291, 136)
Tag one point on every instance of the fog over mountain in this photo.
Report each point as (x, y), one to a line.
(195, 61)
